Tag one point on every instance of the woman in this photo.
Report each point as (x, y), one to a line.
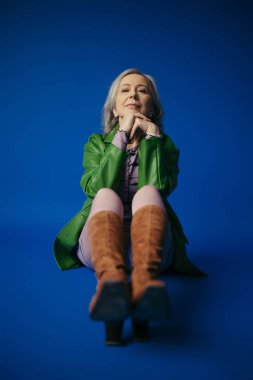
(126, 224)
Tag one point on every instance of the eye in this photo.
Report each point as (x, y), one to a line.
(143, 90)
(124, 90)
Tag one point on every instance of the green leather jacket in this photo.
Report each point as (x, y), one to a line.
(103, 163)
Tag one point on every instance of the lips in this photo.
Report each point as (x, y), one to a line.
(133, 105)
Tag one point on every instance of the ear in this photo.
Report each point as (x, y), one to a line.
(115, 113)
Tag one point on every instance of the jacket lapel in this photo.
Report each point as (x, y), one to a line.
(108, 137)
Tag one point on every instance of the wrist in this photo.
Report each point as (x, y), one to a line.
(123, 131)
(153, 130)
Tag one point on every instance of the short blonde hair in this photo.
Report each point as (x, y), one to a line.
(109, 120)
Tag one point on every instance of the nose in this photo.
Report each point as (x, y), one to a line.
(133, 94)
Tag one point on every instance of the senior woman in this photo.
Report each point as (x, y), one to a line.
(126, 224)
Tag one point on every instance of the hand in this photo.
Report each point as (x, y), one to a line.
(128, 120)
(146, 126)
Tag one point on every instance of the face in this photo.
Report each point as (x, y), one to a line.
(133, 95)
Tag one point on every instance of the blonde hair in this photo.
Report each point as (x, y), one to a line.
(109, 120)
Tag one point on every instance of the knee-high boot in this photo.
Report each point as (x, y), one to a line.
(106, 239)
(149, 295)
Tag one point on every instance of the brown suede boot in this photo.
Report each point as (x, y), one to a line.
(106, 238)
(149, 295)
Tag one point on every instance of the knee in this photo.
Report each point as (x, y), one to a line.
(148, 189)
(148, 194)
(107, 199)
(106, 193)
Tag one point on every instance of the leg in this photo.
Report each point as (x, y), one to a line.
(105, 235)
(105, 200)
(148, 230)
(147, 195)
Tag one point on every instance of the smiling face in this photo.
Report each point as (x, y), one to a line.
(133, 94)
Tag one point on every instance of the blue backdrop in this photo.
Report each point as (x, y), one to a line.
(58, 60)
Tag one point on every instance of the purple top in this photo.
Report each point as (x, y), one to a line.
(129, 181)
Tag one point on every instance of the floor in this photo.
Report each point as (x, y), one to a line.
(46, 332)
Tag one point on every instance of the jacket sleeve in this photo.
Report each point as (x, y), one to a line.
(102, 164)
(159, 164)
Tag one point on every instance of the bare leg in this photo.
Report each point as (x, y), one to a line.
(145, 196)
(105, 200)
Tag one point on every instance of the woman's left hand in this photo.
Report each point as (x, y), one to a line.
(147, 127)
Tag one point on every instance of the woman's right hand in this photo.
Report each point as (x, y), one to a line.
(127, 120)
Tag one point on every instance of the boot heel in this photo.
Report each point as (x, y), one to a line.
(113, 333)
(140, 330)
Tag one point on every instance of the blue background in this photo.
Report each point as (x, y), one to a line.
(57, 62)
